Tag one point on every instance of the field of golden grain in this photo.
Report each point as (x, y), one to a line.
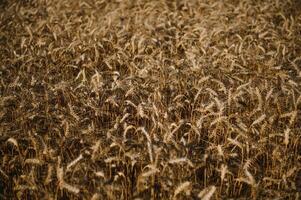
(150, 99)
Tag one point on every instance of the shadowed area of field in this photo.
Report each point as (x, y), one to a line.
(125, 99)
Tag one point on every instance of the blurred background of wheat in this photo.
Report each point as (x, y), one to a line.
(125, 99)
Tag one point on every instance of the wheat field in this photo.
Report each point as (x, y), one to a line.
(150, 99)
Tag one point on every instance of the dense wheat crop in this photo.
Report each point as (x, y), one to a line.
(150, 99)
